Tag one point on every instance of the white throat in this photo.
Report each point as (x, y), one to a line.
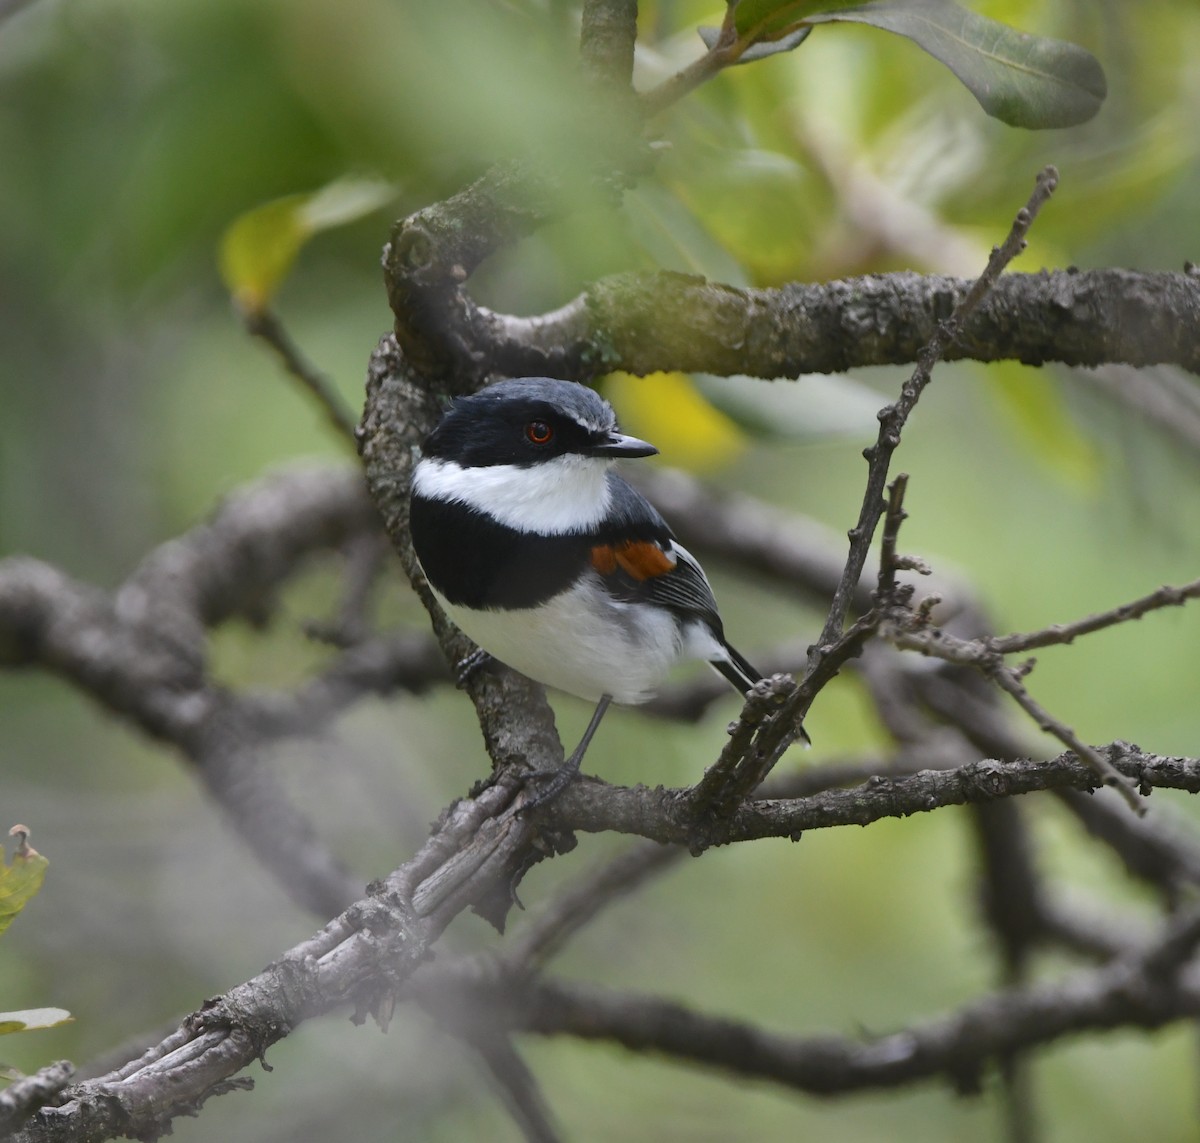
(566, 494)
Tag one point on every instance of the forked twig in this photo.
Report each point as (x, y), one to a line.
(763, 734)
(893, 418)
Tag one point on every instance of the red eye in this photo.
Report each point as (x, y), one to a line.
(539, 432)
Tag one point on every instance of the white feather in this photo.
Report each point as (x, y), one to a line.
(553, 497)
(588, 644)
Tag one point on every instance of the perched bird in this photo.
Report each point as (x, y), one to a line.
(541, 553)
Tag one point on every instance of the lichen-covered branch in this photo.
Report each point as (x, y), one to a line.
(665, 815)
(644, 323)
(360, 958)
(365, 954)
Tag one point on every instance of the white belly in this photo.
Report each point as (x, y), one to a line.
(584, 642)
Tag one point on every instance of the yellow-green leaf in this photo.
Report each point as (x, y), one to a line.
(346, 200)
(667, 410)
(258, 248)
(33, 1019)
(767, 19)
(20, 881)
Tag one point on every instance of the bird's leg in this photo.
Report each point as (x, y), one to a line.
(555, 781)
(468, 665)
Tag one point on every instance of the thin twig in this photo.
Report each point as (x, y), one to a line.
(751, 756)
(1155, 848)
(581, 901)
(894, 517)
(1009, 680)
(768, 725)
(722, 54)
(668, 815)
(1059, 633)
(266, 326)
(892, 419)
(900, 630)
(518, 1087)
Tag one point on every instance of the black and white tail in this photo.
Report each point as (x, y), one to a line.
(741, 674)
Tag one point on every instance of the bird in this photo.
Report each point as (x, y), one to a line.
(550, 561)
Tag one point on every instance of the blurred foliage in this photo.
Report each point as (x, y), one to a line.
(134, 132)
(259, 248)
(668, 409)
(32, 1020)
(1021, 79)
(19, 884)
(20, 881)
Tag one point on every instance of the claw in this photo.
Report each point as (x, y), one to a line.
(558, 780)
(467, 666)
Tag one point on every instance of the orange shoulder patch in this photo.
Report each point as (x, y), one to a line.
(639, 559)
(604, 559)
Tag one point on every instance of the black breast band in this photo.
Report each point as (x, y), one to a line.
(476, 562)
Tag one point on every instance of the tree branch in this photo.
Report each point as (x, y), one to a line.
(608, 32)
(1062, 633)
(665, 815)
(24, 1096)
(517, 1086)
(1139, 990)
(582, 900)
(765, 730)
(371, 949)
(894, 417)
(142, 653)
(361, 957)
(646, 323)
(517, 722)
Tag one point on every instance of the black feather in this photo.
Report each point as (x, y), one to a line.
(739, 672)
(477, 562)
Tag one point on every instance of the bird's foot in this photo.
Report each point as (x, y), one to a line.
(555, 781)
(546, 785)
(467, 666)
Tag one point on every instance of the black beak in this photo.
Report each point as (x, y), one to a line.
(615, 445)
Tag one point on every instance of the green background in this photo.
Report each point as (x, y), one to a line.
(132, 132)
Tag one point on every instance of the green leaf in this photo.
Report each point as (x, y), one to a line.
(258, 248)
(759, 50)
(20, 881)
(1022, 80)
(767, 19)
(33, 1019)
